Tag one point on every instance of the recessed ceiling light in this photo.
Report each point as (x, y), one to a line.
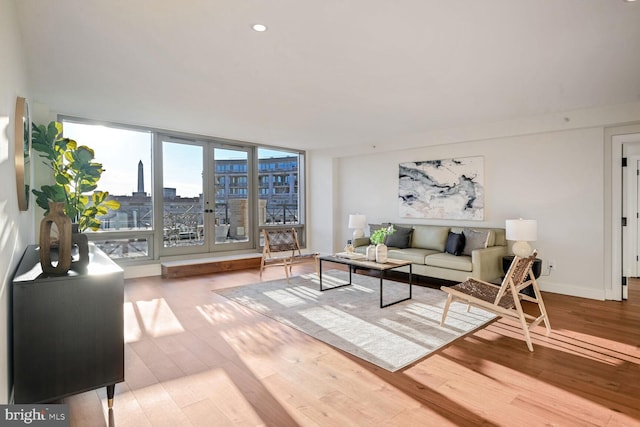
(259, 27)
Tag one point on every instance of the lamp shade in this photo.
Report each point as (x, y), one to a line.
(522, 230)
(357, 221)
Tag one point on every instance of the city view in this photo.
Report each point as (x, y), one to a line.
(184, 217)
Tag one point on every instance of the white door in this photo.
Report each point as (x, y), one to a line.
(631, 212)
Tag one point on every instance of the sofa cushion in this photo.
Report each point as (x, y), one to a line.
(415, 255)
(444, 260)
(430, 237)
(401, 238)
(475, 239)
(455, 243)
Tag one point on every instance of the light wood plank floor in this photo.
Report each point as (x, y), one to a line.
(195, 359)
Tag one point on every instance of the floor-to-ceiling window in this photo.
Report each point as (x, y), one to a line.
(279, 188)
(185, 194)
(125, 154)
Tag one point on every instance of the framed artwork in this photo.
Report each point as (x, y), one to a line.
(442, 189)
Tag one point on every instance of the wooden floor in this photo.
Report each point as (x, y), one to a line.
(194, 358)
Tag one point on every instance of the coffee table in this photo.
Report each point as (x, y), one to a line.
(372, 265)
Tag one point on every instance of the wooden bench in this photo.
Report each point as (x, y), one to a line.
(218, 264)
(281, 248)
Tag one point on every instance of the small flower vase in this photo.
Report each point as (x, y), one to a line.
(381, 253)
(371, 253)
(55, 216)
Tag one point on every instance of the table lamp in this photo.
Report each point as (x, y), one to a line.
(357, 222)
(522, 231)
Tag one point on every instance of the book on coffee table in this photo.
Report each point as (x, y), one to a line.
(351, 255)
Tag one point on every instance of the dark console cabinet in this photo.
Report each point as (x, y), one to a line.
(68, 331)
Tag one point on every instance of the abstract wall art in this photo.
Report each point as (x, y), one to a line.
(442, 189)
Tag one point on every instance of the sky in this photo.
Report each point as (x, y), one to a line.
(120, 150)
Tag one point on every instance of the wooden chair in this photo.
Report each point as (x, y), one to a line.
(281, 247)
(503, 300)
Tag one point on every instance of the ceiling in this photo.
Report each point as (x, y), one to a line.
(328, 73)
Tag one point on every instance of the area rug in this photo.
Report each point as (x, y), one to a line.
(350, 317)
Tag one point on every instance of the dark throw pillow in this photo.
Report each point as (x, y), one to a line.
(455, 244)
(401, 238)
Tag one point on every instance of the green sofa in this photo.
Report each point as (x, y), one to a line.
(431, 255)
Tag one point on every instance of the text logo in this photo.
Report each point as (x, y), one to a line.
(34, 415)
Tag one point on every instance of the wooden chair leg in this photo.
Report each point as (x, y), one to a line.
(287, 268)
(541, 307)
(446, 309)
(525, 331)
(523, 321)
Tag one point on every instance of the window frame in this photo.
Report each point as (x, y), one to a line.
(154, 235)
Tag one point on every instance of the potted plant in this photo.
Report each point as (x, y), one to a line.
(377, 238)
(73, 194)
(76, 176)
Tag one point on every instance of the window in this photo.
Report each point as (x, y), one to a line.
(125, 155)
(282, 203)
(132, 173)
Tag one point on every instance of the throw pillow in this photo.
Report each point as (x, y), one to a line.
(475, 240)
(374, 227)
(455, 243)
(400, 239)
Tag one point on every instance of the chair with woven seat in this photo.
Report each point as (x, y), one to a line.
(505, 299)
(281, 248)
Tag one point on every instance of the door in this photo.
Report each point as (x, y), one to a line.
(630, 213)
(183, 201)
(231, 216)
(206, 197)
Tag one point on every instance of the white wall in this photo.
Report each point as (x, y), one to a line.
(15, 226)
(555, 176)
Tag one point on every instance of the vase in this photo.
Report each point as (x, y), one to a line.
(381, 253)
(55, 216)
(80, 244)
(371, 253)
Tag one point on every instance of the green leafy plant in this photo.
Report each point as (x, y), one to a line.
(380, 234)
(76, 177)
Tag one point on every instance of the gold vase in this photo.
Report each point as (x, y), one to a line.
(55, 216)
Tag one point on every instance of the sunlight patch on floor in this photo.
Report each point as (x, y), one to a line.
(153, 318)
(217, 313)
(132, 329)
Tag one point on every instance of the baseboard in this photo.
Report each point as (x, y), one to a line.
(571, 290)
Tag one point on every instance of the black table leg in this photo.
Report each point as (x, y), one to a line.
(333, 287)
(410, 281)
(382, 305)
(110, 392)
